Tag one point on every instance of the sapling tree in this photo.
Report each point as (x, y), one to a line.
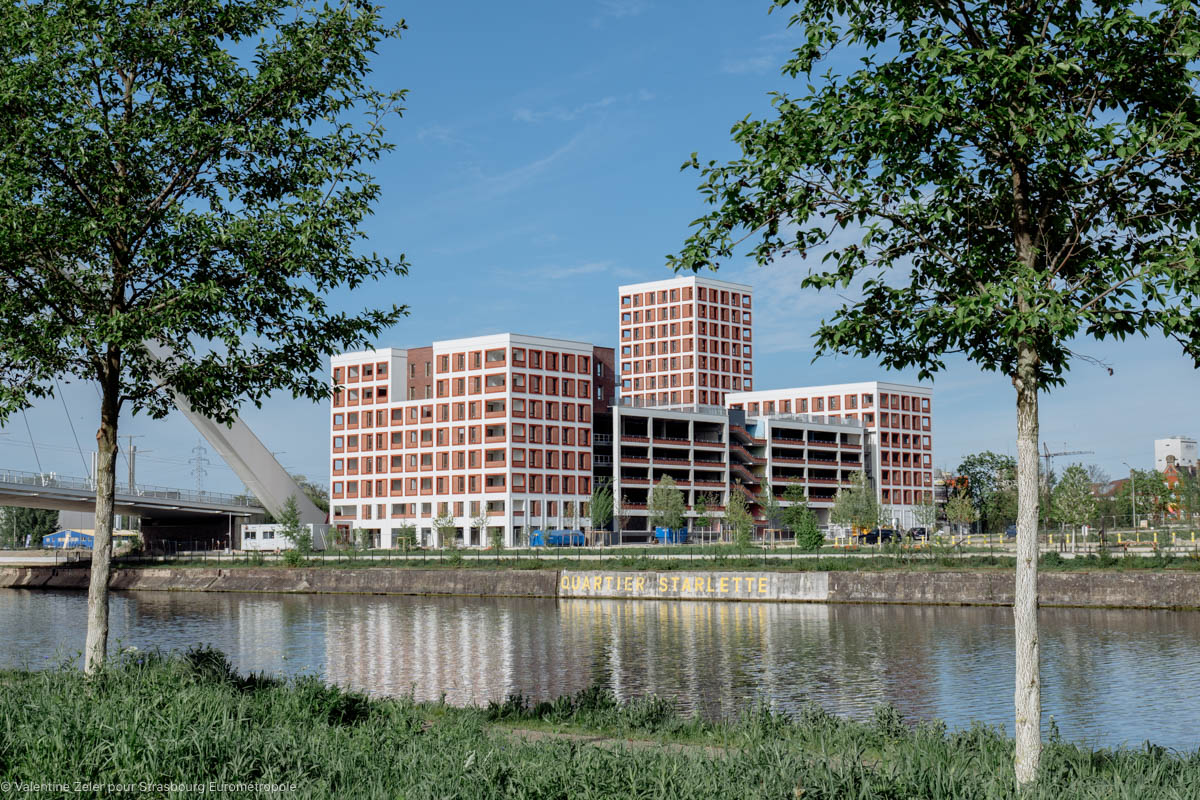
(999, 179)
(601, 506)
(447, 530)
(480, 521)
(801, 519)
(1073, 501)
(189, 174)
(667, 506)
(741, 523)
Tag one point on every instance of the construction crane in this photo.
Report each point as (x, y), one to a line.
(1049, 457)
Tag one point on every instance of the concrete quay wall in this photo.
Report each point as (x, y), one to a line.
(1162, 590)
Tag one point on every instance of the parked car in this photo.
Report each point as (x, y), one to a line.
(877, 535)
(918, 534)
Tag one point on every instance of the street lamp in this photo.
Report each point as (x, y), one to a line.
(1132, 493)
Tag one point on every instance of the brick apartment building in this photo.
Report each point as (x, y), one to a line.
(684, 341)
(500, 424)
(522, 427)
(896, 418)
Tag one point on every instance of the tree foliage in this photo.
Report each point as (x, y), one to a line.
(994, 179)
(771, 507)
(857, 505)
(737, 516)
(601, 505)
(405, 537)
(798, 517)
(447, 530)
(703, 518)
(182, 185)
(992, 487)
(667, 506)
(1073, 501)
(961, 511)
(18, 525)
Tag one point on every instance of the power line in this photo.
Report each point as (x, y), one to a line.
(71, 422)
(29, 430)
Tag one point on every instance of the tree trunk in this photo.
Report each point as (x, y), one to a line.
(1028, 698)
(96, 647)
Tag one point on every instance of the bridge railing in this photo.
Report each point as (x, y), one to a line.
(52, 480)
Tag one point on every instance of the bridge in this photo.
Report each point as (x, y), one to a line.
(206, 519)
(53, 491)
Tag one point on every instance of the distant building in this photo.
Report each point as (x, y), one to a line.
(1177, 450)
(684, 341)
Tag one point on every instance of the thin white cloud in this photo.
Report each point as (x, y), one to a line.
(618, 9)
(770, 53)
(486, 187)
(561, 272)
(561, 113)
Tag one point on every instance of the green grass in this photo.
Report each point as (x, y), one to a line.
(191, 719)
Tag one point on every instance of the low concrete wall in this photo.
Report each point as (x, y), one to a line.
(379, 580)
(1084, 589)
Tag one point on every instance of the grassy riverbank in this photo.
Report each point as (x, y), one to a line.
(660, 559)
(191, 720)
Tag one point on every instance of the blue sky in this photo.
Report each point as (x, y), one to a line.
(537, 167)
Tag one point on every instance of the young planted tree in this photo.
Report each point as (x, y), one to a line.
(622, 515)
(186, 175)
(667, 506)
(290, 528)
(737, 515)
(447, 530)
(703, 520)
(480, 522)
(801, 519)
(925, 513)
(960, 511)
(772, 508)
(601, 506)
(857, 505)
(406, 537)
(996, 179)
(1073, 501)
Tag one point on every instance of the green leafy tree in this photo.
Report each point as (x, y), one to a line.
(1187, 497)
(1153, 494)
(770, 505)
(1073, 501)
(856, 505)
(182, 185)
(571, 514)
(299, 535)
(16, 523)
(925, 513)
(480, 522)
(703, 519)
(601, 505)
(801, 519)
(737, 515)
(961, 512)
(316, 492)
(995, 179)
(991, 485)
(406, 537)
(447, 531)
(667, 506)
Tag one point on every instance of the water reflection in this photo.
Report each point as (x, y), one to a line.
(1110, 677)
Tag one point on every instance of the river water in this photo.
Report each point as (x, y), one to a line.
(1109, 677)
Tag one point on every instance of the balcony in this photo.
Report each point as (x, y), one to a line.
(628, 437)
(707, 443)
